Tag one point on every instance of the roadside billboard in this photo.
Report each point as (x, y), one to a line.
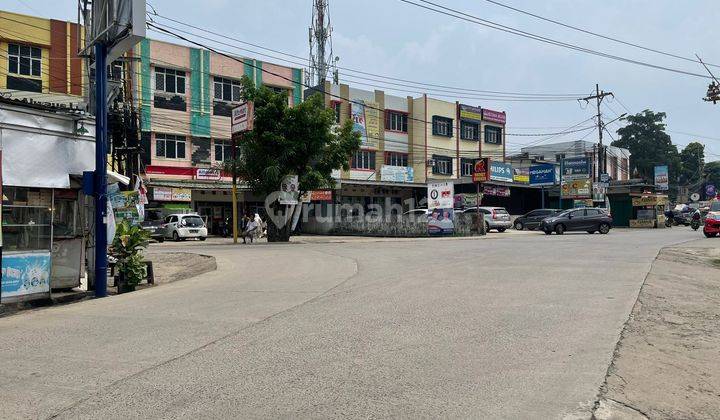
(576, 168)
(481, 171)
(577, 188)
(440, 195)
(542, 174)
(501, 172)
(661, 178)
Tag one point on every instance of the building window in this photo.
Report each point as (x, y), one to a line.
(169, 146)
(227, 90)
(24, 60)
(396, 159)
(442, 126)
(115, 71)
(278, 90)
(336, 107)
(169, 80)
(559, 157)
(363, 159)
(467, 166)
(443, 165)
(396, 121)
(493, 135)
(223, 150)
(469, 130)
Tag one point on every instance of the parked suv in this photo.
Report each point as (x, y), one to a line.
(184, 226)
(590, 220)
(495, 217)
(531, 220)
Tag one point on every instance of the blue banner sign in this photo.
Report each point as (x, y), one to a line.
(576, 168)
(542, 174)
(25, 274)
(501, 171)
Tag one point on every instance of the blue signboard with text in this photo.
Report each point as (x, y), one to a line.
(542, 174)
(25, 274)
(501, 171)
(576, 168)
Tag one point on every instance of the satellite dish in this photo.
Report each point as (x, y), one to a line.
(695, 197)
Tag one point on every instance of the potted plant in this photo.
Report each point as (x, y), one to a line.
(127, 248)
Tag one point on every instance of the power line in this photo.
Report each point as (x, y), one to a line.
(609, 38)
(490, 24)
(462, 89)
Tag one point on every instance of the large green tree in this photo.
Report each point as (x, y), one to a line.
(692, 159)
(285, 141)
(711, 172)
(649, 145)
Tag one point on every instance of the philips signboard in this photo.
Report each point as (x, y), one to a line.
(542, 174)
(501, 171)
(576, 168)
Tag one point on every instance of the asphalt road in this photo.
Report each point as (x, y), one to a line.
(512, 326)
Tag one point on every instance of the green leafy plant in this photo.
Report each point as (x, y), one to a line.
(127, 248)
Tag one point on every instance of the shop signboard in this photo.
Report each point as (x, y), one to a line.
(501, 172)
(162, 194)
(649, 200)
(470, 113)
(496, 191)
(661, 178)
(521, 175)
(321, 195)
(242, 118)
(481, 171)
(494, 116)
(542, 174)
(466, 200)
(25, 274)
(182, 194)
(207, 174)
(576, 168)
(440, 195)
(396, 173)
(710, 191)
(577, 188)
(642, 223)
(289, 190)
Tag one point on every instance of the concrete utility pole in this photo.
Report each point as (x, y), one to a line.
(602, 153)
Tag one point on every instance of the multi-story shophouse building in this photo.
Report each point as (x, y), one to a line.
(39, 60)
(185, 97)
(408, 142)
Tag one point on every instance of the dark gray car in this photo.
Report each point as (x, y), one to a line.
(531, 220)
(590, 220)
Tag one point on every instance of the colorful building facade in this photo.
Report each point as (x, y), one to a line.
(185, 96)
(39, 60)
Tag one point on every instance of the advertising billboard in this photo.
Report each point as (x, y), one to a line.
(242, 118)
(661, 178)
(576, 168)
(25, 274)
(470, 113)
(542, 174)
(481, 171)
(577, 188)
(501, 172)
(494, 116)
(440, 195)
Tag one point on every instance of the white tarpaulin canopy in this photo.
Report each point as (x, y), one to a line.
(41, 150)
(42, 160)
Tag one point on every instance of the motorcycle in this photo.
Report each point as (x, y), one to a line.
(695, 222)
(669, 218)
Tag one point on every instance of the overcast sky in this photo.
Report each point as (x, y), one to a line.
(392, 38)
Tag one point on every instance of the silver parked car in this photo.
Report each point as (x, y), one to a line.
(496, 218)
(183, 226)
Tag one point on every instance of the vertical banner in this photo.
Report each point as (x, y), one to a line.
(441, 197)
(661, 178)
(357, 113)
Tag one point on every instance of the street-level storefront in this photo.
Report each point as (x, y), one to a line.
(44, 213)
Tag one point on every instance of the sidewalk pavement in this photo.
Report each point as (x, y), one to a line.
(666, 362)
